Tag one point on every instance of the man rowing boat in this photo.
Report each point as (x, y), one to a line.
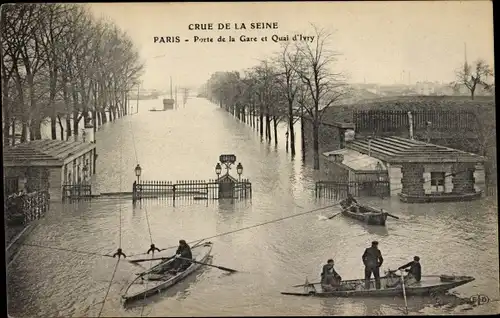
(349, 202)
(184, 251)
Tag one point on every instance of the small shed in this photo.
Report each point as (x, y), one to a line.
(226, 186)
(424, 172)
(45, 165)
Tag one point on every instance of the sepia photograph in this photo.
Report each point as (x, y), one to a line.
(298, 158)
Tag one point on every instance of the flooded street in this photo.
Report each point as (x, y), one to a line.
(184, 144)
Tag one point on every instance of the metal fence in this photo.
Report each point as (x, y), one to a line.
(189, 189)
(76, 191)
(338, 190)
(22, 208)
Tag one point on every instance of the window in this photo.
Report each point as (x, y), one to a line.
(437, 181)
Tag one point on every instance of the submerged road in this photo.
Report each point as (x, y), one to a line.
(456, 238)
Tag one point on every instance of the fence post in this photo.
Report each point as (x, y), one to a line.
(134, 192)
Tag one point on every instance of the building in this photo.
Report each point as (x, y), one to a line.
(416, 171)
(47, 165)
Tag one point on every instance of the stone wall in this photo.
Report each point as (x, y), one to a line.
(412, 180)
(332, 171)
(55, 183)
(463, 180)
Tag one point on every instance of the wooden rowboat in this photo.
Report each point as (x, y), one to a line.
(158, 278)
(428, 286)
(366, 214)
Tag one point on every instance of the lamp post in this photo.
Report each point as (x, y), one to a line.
(85, 169)
(239, 169)
(218, 169)
(138, 171)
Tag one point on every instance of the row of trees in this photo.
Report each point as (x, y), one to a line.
(299, 82)
(62, 65)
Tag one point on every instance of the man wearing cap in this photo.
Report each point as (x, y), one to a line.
(372, 258)
(414, 271)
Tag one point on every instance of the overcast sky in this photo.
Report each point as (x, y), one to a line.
(378, 40)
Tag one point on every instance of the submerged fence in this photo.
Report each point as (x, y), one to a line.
(76, 191)
(191, 189)
(21, 209)
(338, 190)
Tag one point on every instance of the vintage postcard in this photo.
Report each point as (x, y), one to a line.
(249, 159)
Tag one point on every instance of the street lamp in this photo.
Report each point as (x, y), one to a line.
(85, 169)
(218, 169)
(239, 169)
(138, 171)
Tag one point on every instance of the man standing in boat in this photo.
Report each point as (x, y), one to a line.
(372, 258)
(330, 279)
(414, 271)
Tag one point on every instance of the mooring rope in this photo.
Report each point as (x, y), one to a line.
(109, 287)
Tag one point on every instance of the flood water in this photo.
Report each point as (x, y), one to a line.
(456, 238)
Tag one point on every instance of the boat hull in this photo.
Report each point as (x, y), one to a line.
(370, 216)
(429, 285)
(140, 289)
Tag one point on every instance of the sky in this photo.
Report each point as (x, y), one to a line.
(380, 42)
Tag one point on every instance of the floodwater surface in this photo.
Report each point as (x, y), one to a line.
(452, 238)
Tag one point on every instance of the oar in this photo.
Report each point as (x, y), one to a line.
(392, 216)
(219, 267)
(404, 291)
(331, 217)
(303, 285)
(150, 259)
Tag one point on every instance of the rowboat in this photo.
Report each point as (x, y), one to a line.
(158, 278)
(390, 286)
(366, 214)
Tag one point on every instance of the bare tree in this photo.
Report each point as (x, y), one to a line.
(472, 76)
(323, 86)
(289, 80)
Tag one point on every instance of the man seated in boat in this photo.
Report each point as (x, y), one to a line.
(350, 202)
(330, 279)
(184, 251)
(414, 271)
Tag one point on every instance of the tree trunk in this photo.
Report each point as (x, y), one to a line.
(291, 129)
(261, 120)
(13, 134)
(61, 127)
(316, 143)
(275, 131)
(302, 136)
(268, 127)
(472, 91)
(24, 131)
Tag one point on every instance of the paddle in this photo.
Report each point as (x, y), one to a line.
(331, 217)
(404, 291)
(150, 259)
(303, 285)
(392, 216)
(219, 267)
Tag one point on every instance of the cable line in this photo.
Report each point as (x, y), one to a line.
(109, 287)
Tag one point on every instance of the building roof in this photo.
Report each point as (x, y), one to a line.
(44, 152)
(355, 160)
(398, 150)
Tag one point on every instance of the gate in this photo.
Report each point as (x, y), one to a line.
(76, 191)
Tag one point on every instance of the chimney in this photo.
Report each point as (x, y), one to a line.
(410, 122)
(88, 135)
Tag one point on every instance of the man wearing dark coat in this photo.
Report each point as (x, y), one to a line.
(372, 258)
